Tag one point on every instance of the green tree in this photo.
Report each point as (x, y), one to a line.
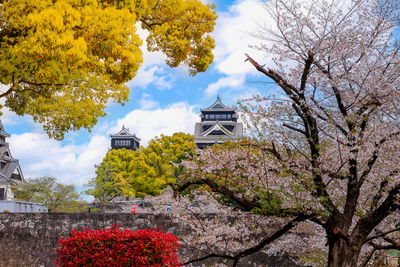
(63, 60)
(131, 173)
(57, 197)
(165, 152)
(122, 172)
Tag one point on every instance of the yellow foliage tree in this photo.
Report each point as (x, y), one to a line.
(61, 61)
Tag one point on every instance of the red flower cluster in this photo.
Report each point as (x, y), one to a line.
(116, 247)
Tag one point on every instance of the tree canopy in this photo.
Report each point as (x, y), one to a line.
(61, 61)
(57, 197)
(327, 149)
(128, 173)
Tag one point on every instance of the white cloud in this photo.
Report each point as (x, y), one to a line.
(231, 81)
(147, 124)
(152, 75)
(70, 164)
(233, 37)
(146, 102)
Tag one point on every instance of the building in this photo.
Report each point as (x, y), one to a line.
(218, 124)
(10, 171)
(124, 139)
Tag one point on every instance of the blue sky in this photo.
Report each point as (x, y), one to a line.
(162, 101)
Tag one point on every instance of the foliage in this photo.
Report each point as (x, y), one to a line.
(63, 60)
(328, 149)
(165, 152)
(123, 172)
(57, 197)
(131, 173)
(116, 247)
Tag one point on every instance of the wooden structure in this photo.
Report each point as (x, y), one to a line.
(10, 171)
(218, 124)
(124, 139)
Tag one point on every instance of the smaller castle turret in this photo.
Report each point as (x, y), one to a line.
(124, 139)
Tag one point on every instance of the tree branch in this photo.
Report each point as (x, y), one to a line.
(382, 234)
(310, 125)
(385, 247)
(338, 96)
(374, 157)
(373, 218)
(294, 129)
(288, 88)
(149, 25)
(369, 257)
(306, 71)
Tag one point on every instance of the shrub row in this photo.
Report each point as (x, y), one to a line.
(116, 247)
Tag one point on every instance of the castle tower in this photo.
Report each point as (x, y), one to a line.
(218, 124)
(124, 139)
(10, 171)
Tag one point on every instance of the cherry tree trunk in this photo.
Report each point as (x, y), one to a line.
(341, 255)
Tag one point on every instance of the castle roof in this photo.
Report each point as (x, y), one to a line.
(124, 133)
(217, 127)
(2, 132)
(217, 106)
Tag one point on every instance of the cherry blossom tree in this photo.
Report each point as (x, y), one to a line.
(235, 180)
(326, 147)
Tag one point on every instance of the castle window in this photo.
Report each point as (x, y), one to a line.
(122, 142)
(217, 132)
(221, 116)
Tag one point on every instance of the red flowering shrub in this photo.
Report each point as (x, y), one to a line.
(116, 247)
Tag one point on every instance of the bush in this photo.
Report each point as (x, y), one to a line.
(116, 247)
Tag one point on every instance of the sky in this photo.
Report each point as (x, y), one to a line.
(162, 101)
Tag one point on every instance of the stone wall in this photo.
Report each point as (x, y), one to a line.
(28, 239)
